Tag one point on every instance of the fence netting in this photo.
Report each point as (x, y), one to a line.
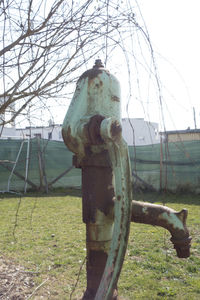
(167, 166)
(42, 164)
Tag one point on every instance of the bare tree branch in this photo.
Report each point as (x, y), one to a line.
(46, 43)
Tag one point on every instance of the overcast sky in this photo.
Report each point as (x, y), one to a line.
(174, 27)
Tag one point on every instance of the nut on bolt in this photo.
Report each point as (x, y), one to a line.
(98, 64)
(93, 130)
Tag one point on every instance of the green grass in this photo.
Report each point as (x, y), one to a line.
(46, 235)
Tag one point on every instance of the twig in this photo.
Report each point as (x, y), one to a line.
(37, 288)
(29, 272)
(32, 211)
(79, 273)
(16, 216)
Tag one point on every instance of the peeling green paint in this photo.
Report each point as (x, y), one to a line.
(172, 218)
(145, 210)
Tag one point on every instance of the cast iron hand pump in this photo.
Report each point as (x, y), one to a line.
(92, 131)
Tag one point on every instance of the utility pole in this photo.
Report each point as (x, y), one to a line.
(194, 115)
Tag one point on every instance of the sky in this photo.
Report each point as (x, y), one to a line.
(174, 26)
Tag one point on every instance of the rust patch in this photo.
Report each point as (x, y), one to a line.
(115, 98)
(97, 192)
(93, 129)
(96, 160)
(96, 261)
(75, 162)
(97, 85)
(182, 246)
(147, 213)
(69, 141)
(92, 73)
(116, 129)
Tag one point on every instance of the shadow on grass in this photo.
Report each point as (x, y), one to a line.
(167, 197)
(151, 197)
(60, 192)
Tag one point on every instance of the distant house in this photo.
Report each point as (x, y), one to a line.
(181, 135)
(51, 132)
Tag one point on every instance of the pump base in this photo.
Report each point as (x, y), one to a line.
(89, 295)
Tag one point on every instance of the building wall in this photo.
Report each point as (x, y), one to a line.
(49, 133)
(8, 132)
(140, 132)
(188, 136)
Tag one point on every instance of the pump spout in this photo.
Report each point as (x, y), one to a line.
(173, 221)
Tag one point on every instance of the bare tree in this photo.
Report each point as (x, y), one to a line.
(44, 43)
(45, 46)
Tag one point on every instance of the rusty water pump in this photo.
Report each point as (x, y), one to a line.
(92, 131)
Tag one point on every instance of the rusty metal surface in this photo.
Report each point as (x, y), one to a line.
(97, 192)
(97, 69)
(97, 213)
(116, 130)
(69, 140)
(174, 222)
(182, 246)
(97, 93)
(93, 128)
(119, 156)
(98, 159)
(95, 266)
(92, 73)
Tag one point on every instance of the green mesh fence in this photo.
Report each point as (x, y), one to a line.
(170, 166)
(44, 164)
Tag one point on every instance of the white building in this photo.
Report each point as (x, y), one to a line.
(139, 132)
(8, 132)
(52, 132)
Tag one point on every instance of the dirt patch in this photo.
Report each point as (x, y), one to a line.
(16, 283)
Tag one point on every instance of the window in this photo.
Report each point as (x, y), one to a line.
(38, 135)
(141, 138)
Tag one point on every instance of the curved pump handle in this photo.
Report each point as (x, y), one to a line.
(110, 131)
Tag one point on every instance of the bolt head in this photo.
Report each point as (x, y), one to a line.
(98, 64)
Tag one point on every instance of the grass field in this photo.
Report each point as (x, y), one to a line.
(46, 236)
